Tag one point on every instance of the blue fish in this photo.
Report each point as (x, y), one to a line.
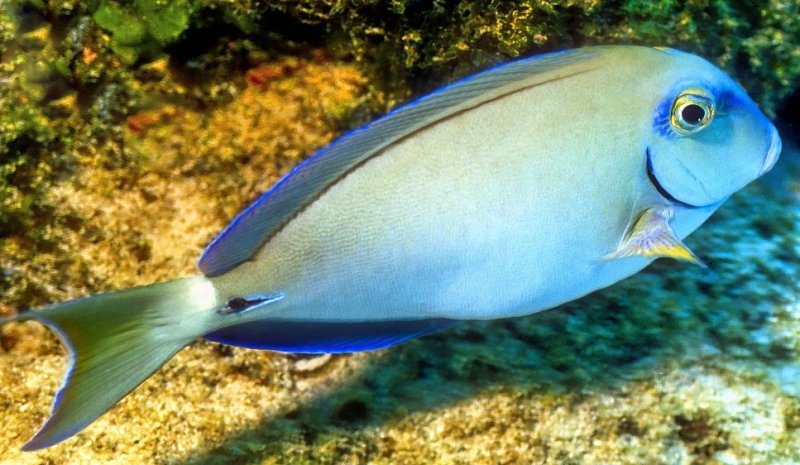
(503, 194)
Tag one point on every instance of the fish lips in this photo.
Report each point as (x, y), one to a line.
(660, 188)
(773, 153)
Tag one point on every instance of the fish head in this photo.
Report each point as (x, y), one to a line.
(708, 138)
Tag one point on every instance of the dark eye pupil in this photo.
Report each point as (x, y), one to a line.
(693, 114)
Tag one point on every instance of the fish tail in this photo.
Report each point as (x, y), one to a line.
(115, 342)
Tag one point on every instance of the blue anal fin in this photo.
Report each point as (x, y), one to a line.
(326, 337)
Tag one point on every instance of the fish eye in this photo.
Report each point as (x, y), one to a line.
(692, 111)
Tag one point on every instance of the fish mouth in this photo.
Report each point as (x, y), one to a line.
(773, 153)
(661, 190)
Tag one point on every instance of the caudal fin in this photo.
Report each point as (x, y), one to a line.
(115, 342)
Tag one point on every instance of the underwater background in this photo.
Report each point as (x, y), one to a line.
(132, 132)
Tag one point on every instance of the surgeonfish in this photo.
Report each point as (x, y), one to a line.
(502, 194)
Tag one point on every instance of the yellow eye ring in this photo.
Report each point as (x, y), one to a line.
(692, 111)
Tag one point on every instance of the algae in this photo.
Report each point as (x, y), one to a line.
(143, 25)
(131, 132)
(414, 45)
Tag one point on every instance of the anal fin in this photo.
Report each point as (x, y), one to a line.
(316, 337)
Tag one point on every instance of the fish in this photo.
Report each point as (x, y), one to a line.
(502, 194)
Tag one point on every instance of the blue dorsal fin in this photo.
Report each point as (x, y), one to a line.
(320, 337)
(242, 238)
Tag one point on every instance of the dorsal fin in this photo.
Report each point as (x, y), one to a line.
(242, 238)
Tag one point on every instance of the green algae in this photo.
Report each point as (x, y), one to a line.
(143, 25)
(126, 145)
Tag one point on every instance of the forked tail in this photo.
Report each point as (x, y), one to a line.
(115, 342)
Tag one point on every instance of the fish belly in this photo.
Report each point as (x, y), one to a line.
(488, 214)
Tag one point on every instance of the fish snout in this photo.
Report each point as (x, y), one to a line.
(773, 153)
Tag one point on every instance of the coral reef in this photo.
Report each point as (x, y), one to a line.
(412, 45)
(131, 132)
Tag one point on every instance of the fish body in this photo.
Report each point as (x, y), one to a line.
(445, 225)
(485, 214)
(506, 193)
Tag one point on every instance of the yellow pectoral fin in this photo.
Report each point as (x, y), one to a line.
(676, 250)
(652, 237)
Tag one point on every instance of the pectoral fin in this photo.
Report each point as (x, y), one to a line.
(651, 236)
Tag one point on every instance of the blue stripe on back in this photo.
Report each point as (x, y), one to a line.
(326, 337)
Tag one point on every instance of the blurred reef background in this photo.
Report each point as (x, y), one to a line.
(132, 132)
